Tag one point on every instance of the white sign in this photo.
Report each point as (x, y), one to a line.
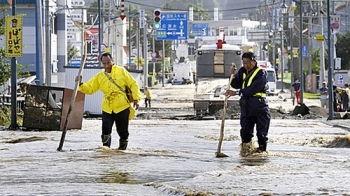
(70, 23)
(73, 30)
(337, 64)
(70, 36)
(349, 72)
(77, 3)
(142, 19)
(335, 24)
(76, 17)
(216, 14)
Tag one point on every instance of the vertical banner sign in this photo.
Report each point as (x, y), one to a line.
(335, 24)
(304, 52)
(13, 33)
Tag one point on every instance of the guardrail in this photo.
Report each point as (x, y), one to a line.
(5, 100)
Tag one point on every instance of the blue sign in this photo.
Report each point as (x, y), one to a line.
(304, 51)
(200, 29)
(75, 63)
(173, 26)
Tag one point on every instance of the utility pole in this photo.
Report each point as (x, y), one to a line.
(291, 26)
(273, 37)
(300, 53)
(310, 41)
(163, 63)
(261, 45)
(38, 49)
(145, 50)
(109, 25)
(138, 44)
(47, 44)
(153, 51)
(330, 67)
(130, 17)
(322, 62)
(13, 125)
(100, 32)
(82, 35)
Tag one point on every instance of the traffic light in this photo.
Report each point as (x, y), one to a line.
(157, 19)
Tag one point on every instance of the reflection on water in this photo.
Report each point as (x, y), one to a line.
(118, 177)
(29, 139)
(176, 158)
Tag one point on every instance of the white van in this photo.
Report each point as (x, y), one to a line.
(264, 64)
(271, 81)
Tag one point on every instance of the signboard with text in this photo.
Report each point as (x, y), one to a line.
(13, 33)
(173, 26)
(200, 29)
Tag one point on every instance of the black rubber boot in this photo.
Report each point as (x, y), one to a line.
(262, 147)
(123, 144)
(106, 140)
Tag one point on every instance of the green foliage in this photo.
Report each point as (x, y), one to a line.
(199, 13)
(5, 64)
(343, 49)
(315, 57)
(72, 52)
(5, 67)
(5, 119)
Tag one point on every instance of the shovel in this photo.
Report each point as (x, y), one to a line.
(219, 153)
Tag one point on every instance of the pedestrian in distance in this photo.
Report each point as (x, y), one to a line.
(252, 82)
(324, 95)
(148, 97)
(160, 77)
(345, 97)
(335, 96)
(116, 107)
(296, 88)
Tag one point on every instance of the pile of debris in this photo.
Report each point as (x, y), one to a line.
(299, 112)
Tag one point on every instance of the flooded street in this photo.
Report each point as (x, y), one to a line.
(167, 157)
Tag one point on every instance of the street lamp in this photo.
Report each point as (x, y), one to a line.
(284, 9)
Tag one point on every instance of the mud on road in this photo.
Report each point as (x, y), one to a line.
(176, 102)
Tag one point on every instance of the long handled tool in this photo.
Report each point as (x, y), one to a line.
(71, 105)
(219, 153)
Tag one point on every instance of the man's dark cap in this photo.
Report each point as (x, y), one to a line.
(248, 55)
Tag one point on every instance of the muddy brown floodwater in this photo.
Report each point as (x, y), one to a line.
(168, 157)
(177, 157)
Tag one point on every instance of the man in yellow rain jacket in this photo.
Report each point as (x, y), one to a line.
(148, 97)
(115, 104)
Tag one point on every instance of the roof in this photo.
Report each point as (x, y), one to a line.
(224, 47)
(2, 2)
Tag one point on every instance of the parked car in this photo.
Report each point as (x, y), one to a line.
(130, 64)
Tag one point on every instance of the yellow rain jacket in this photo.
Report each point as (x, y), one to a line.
(114, 99)
(148, 94)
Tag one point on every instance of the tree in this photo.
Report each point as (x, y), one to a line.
(72, 52)
(315, 58)
(5, 67)
(5, 64)
(199, 13)
(343, 50)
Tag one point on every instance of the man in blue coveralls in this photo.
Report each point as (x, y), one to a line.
(252, 82)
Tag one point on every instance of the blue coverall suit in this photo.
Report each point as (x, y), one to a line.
(253, 104)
